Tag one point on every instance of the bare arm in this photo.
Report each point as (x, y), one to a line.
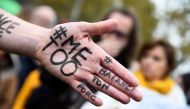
(18, 36)
(68, 53)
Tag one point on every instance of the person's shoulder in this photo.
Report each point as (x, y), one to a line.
(177, 88)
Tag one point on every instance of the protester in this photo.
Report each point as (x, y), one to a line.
(121, 43)
(50, 51)
(44, 16)
(157, 61)
(125, 34)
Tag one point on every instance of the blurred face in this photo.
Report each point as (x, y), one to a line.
(119, 37)
(154, 64)
(42, 19)
(43, 16)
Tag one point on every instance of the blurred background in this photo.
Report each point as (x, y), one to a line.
(152, 35)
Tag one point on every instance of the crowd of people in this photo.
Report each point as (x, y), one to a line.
(26, 84)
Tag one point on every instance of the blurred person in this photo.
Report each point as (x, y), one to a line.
(8, 80)
(70, 55)
(6, 61)
(44, 16)
(184, 81)
(157, 61)
(121, 43)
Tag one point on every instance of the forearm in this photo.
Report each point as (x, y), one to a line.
(18, 36)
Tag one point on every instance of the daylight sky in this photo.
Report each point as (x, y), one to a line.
(173, 36)
(170, 30)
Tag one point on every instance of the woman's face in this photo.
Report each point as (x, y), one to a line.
(154, 64)
(119, 37)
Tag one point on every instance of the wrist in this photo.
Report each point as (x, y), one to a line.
(41, 38)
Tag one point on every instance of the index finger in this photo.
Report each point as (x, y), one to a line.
(118, 69)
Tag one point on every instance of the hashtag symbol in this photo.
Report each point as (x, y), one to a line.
(60, 32)
(57, 35)
(107, 60)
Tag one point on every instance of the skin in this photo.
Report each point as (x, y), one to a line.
(108, 40)
(29, 40)
(154, 64)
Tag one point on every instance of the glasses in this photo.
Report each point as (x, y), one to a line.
(119, 33)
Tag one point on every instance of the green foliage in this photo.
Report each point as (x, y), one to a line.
(144, 10)
(93, 9)
(186, 50)
(179, 18)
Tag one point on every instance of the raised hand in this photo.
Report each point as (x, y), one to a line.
(70, 54)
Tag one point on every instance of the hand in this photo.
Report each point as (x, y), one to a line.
(70, 54)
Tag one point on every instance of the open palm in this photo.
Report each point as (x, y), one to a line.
(70, 54)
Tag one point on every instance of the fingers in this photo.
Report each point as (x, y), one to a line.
(110, 63)
(84, 91)
(104, 87)
(117, 82)
(101, 27)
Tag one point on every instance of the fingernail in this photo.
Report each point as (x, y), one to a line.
(134, 79)
(135, 94)
(130, 89)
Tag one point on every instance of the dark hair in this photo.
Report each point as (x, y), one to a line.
(127, 53)
(186, 82)
(168, 50)
(186, 86)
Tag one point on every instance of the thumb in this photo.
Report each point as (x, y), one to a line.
(101, 27)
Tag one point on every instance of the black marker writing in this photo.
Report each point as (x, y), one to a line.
(86, 92)
(104, 72)
(63, 62)
(107, 60)
(57, 35)
(6, 25)
(79, 54)
(70, 40)
(66, 58)
(100, 83)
